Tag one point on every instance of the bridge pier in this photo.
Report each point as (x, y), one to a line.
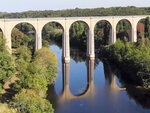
(134, 33)
(114, 34)
(66, 47)
(7, 38)
(38, 40)
(111, 36)
(90, 44)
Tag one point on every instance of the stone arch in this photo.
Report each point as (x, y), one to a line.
(21, 24)
(53, 21)
(80, 20)
(126, 32)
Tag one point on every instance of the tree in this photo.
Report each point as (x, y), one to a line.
(37, 73)
(147, 27)
(7, 68)
(28, 102)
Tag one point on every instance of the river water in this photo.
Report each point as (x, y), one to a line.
(84, 87)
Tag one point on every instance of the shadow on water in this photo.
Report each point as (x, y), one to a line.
(140, 95)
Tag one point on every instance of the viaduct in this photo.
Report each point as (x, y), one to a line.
(7, 25)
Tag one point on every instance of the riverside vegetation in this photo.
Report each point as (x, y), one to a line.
(35, 71)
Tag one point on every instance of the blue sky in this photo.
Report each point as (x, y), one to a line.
(25, 5)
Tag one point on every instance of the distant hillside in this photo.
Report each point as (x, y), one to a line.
(112, 11)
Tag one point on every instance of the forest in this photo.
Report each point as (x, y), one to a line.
(77, 12)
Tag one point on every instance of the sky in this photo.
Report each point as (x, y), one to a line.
(26, 5)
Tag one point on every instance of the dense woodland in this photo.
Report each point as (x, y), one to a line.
(113, 11)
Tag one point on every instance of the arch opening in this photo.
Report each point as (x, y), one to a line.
(23, 34)
(79, 34)
(52, 33)
(143, 28)
(124, 30)
(102, 33)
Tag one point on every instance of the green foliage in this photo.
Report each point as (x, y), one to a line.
(37, 73)
(45, 43)
(34, 72)
(23, 58)
(17, 38)
(123, 29)
(26, 28)
(7, 68)
(46, 61)
(52, 31)
(132, 59)
(79, 34)
(44, 55)
(147, 27)
(28, 102)
(23, 34)
(23, 53)
(102, 30)
(112, 11)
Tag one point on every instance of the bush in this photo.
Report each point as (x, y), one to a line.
(28, 102)
(38, 73)
(133, 59)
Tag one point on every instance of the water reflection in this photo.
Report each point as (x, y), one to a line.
(66, 93)
(111, 77)
(100, 94)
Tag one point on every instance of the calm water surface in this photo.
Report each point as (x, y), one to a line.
(82, 88)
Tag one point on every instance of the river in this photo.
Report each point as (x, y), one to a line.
(82, 87)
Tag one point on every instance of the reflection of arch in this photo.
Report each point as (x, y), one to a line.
(111, 78)
(66, 94)
(125, 33)
(110, 28)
